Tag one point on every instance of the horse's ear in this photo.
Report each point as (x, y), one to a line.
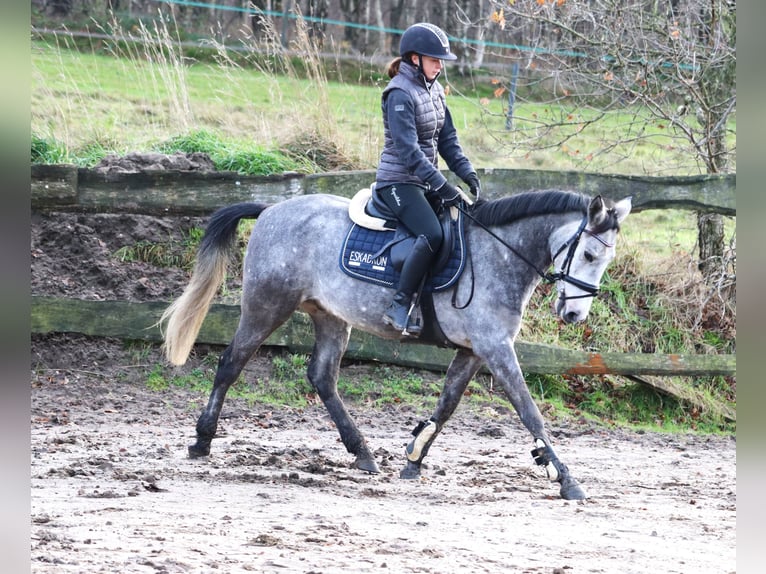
(622, 208)
(596, 211)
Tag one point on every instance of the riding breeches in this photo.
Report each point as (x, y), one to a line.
(412, 208)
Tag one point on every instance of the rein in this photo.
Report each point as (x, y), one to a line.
(563, 274)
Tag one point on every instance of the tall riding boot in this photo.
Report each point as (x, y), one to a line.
(414, 268)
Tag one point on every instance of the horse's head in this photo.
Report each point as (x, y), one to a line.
(581, 252)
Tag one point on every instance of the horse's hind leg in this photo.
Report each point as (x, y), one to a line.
(254, 327)
(460, 372)
(230, 365)
(331, 338)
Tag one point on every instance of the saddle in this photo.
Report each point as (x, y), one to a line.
(375, 248)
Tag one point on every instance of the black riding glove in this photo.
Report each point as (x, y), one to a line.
(473, 183)
(449, 194)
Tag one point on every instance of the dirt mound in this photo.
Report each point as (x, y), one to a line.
(79, 256)
(137, 162)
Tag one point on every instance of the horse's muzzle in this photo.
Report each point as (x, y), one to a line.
(568, 317)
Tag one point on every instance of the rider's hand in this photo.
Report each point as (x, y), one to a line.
(473, 183)
(450, 195)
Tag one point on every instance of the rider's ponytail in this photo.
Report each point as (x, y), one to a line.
(393, 66)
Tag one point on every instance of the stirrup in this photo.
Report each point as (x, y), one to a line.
(409, 324)
(414, 327)
(396, 315)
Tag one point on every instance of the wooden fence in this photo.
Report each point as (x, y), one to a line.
(68, 188)
(161, 192)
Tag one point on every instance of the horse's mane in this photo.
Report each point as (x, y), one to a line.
(527, 204)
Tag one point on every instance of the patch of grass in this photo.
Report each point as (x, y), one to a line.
(198, 380)
(139, 351)
(615, 401)
(285, 386)
(48, 151)
(391, 385)
(610, 401)
(164, 254)
(156, 380)
(228, 156)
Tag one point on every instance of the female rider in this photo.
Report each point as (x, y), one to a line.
(418, 128)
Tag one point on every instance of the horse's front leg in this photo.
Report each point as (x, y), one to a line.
(505, 367)
(460, 372)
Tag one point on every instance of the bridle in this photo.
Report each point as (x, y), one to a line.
(563, 273)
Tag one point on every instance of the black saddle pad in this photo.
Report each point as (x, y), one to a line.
(364, 256)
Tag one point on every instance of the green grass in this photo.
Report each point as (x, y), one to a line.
(287, 385)
(389, 385)
(82, 99)
(605, 401)
(165, 254)
(228, 156)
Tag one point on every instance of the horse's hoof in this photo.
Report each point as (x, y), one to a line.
(571, 490)
(367, 465)
(196, 451)
(410, 471)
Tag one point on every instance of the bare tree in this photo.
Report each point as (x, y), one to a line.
(316, 11)
(470, 24)
(59, 8)
(353, 11)
(669, 65)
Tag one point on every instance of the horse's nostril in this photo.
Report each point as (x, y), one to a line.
(571, 317)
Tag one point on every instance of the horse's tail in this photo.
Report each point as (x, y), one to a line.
(185, 315)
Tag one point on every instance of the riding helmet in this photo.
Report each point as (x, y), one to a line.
(427, 40)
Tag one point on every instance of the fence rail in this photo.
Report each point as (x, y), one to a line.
(137, 321)
(164, 192)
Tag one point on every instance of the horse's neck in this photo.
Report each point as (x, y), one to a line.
(526, 245)
(535, 237)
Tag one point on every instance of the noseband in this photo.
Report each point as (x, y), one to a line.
(563, 274)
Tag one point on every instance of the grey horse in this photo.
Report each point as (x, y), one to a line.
(291, 263)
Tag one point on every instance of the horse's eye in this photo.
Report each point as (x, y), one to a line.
(588, 256)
